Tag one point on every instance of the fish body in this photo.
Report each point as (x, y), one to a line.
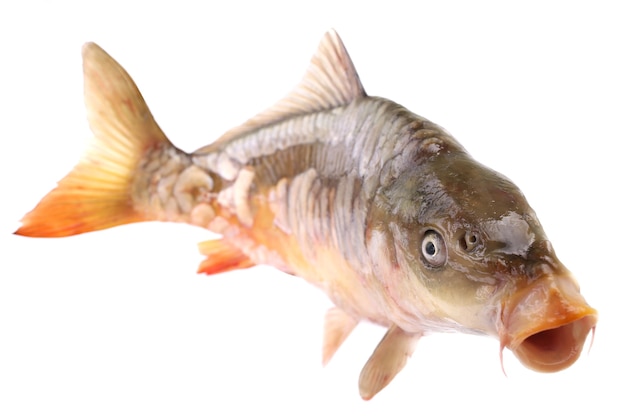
(380, 208)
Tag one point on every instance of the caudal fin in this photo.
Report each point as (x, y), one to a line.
(96, 194)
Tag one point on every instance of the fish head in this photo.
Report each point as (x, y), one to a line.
(466, 236)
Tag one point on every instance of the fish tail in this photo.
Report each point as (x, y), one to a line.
(98, 193)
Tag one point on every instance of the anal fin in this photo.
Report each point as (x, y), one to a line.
(221, 257)
(390, 356)
(337, 327)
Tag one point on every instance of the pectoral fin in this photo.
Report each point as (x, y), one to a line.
(388, 359)
(337, 327)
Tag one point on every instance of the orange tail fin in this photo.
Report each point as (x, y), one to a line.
(96, 194)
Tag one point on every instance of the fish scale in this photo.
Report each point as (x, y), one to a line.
(381, 209)
(337, 164)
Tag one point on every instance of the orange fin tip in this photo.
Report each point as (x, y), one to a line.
(221, 257)
(96, 194)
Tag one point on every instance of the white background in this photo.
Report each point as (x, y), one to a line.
(118, 323)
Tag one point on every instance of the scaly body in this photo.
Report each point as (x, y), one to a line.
(380, 208)
(296, 194)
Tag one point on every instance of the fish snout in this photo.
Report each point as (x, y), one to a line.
(546, 324)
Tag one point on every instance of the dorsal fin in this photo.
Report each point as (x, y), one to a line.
(330, 81)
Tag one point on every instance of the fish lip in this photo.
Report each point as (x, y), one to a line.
(547, 323)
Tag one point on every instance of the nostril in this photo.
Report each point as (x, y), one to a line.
(468, 241)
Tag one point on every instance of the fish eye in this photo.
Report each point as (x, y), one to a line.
(434, 249)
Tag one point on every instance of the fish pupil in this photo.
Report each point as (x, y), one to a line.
(430, 248)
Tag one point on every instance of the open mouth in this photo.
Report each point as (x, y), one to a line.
(555, 349)
(547, 324)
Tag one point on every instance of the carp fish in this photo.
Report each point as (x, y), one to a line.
(378, 207)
